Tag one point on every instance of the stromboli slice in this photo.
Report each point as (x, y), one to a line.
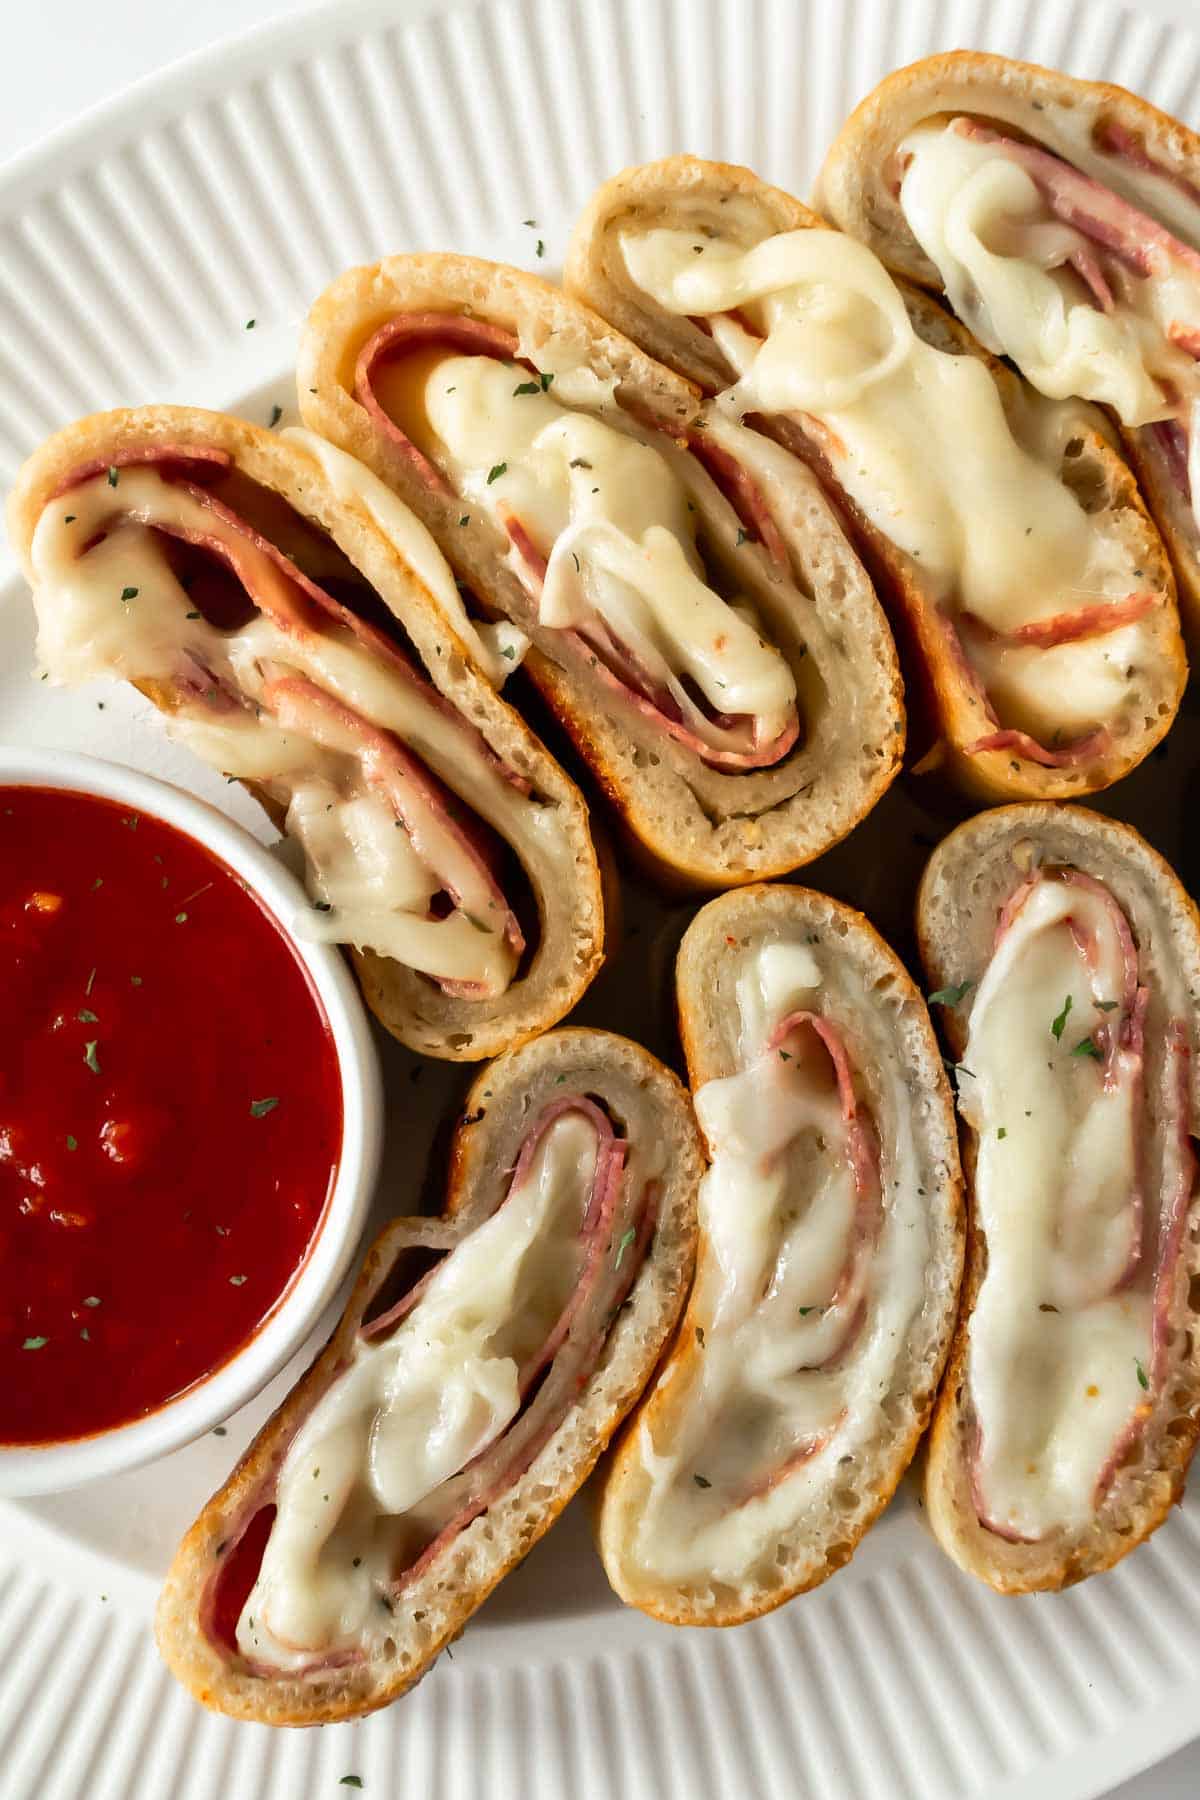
(699, 623)
(483, 1362)
(830, 1251)
(1062, 218)
(1006, 534)
(220, 568)
(1068, 959)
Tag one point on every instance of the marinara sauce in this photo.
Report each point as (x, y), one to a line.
(170, 1114)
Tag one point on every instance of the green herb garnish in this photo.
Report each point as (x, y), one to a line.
(1085, 1047)
(1143, 1378)
(113, 476)
(90, 1057)
(35, 1343)
(237, 1280)
(702, 1481)
(260, 1108)
(276, 415)
(950, 996)
(1058, 1025)
(626, 1239)
(495, 472)
(129, 593)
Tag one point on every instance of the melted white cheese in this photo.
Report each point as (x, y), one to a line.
(1054, 1352)
(613, 522)
(1068, 685)
(321, 773)
(777, 1207)
(359, 1487)
(498, 648)
(1002, 256)
(916, 436)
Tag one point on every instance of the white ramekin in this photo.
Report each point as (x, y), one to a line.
(42, 1469)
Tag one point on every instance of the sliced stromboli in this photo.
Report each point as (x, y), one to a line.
(1067, 956)
(300, 631)
(483, 1362)
(1062, 219)
(699, 624)
(1007, 535)
(805, 1366)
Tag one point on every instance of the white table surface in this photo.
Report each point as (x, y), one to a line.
(61, 57)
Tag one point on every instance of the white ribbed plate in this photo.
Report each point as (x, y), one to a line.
(133, 250)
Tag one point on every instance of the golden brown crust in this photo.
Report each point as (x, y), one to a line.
(649, 1098)
(739, 916)
(698, 825)
(684, 190)
(1142, 1493)
(856, 189)
(570, 949)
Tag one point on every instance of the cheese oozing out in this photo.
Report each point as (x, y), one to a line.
(283, 707)
(798, 1323)
(497, 647)
(611, 520)
(920, 441)
(1080, 312)
(1063, 1323)
(368, 1480)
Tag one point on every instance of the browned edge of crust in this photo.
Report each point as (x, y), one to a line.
(946, 1482)
(674, 1607)
(572, 930)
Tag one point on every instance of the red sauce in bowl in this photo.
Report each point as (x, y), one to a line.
(170, 1114)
